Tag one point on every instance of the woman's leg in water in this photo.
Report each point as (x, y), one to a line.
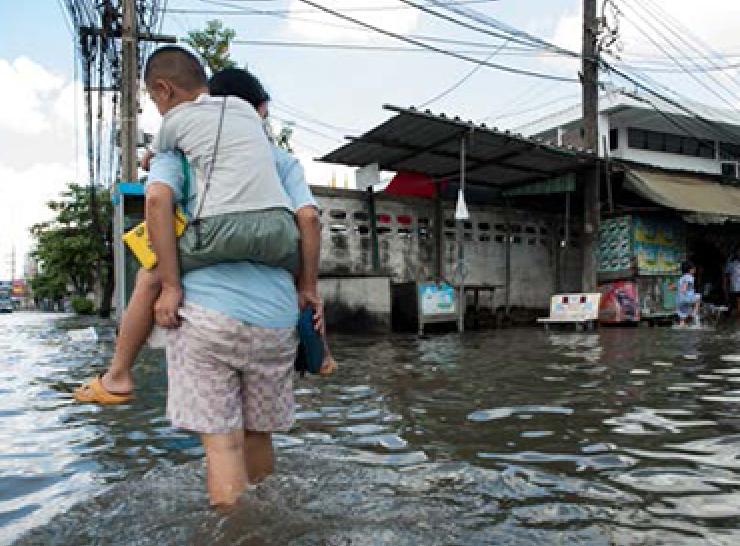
(136, 325)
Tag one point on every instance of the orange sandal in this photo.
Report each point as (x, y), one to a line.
(94, 391)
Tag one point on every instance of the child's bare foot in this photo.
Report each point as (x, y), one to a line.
(328, 366)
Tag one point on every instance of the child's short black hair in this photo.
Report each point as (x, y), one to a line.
(686, 267)
(239, 83)
(178, 65)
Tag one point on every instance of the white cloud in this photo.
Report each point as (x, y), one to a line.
(329, 28)
(28, 94)
(24, 202)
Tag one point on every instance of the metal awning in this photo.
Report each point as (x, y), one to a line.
(686, 192)
(427, 143)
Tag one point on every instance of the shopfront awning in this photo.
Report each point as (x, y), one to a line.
(686, 192)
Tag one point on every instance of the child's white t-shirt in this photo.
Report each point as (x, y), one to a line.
(244, 177)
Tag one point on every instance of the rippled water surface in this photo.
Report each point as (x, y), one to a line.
(625, 436)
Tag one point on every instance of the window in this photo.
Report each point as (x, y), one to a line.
(449, 223)
(655, 141)
(361, 216)
(613, 139)
(338, 214)
(637, 138)
(730, 152)
(706, 149)
(484, 226)
(642, 139)
(729, 168)
(673, 144)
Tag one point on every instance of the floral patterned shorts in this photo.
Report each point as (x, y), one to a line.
(226, 375)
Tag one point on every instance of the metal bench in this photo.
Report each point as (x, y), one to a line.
(580, 310)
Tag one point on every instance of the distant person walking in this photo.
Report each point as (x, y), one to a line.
(732, 281)
(688, 301)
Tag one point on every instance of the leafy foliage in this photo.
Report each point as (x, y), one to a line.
(82, 306)
(73, 247)
(212, 44)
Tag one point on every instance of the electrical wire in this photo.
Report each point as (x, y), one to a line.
(311, 11)
(503, 31)
(510, 69)
(462, 80)
(700, 81)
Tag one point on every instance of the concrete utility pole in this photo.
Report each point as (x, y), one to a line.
(129, 166)
(591, 178)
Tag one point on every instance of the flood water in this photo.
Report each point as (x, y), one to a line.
(624, 436)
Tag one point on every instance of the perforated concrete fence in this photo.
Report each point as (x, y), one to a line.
(407, 244)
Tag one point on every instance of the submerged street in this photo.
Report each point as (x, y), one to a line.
(623, 436)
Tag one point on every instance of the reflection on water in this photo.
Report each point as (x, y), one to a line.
(505, 437)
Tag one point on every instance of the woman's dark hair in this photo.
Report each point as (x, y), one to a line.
(240, 83)
(686, 267)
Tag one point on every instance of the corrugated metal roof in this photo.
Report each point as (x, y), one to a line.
(428, 143)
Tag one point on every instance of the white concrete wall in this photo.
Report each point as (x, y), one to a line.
(411, 256)
(365, 299)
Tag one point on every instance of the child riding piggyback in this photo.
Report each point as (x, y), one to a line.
(238, 209)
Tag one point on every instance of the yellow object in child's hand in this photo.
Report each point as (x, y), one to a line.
(137, 239)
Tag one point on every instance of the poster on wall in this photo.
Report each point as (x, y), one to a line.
(437, 299)
(619, 302)
(659, 246)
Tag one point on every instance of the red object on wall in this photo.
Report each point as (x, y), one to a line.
(411, 183)
(619, 302)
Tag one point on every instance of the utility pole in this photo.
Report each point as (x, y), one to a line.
(129, 166)
(591, 177)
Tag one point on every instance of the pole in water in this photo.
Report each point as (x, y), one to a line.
(461, 214)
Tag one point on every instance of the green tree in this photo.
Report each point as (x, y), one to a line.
(212, 44)
(74, 249)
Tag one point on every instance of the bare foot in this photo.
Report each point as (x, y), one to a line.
(118, 383)
(328, 366)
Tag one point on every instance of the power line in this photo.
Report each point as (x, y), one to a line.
(503, 30)
(413, 41)
(293, 111)
(462, 80)
(483, 48)
(511, 114)
(647, 35)
(252, 11)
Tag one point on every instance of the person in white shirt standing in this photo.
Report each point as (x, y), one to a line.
(732, 281)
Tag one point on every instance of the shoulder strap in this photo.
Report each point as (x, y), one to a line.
(207, 185)
(186, 182)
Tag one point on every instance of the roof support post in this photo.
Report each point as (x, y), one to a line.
(461, 244)
(373, 230)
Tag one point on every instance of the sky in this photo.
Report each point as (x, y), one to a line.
(327, 93)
